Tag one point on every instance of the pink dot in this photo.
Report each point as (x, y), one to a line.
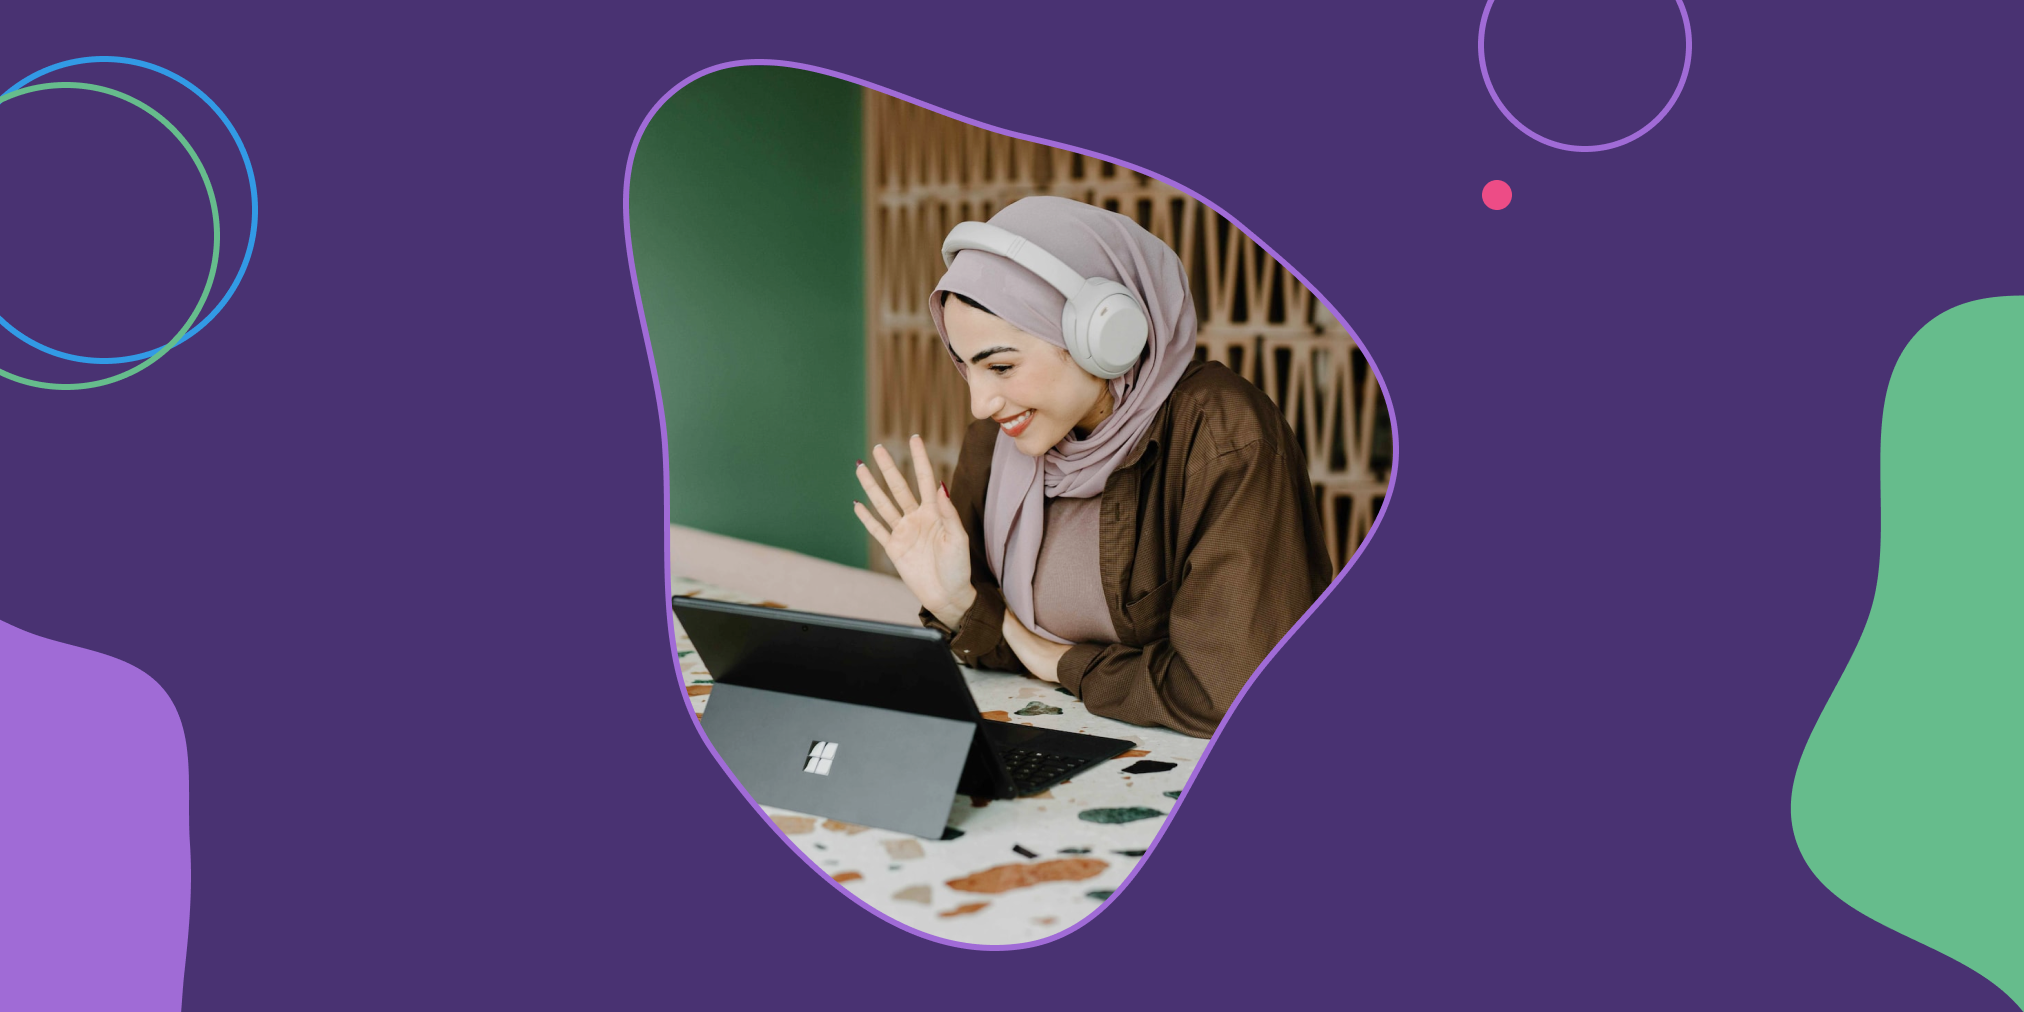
(1496, 195)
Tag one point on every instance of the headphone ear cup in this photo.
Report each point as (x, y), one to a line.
(1105, 328)
(1114, 330)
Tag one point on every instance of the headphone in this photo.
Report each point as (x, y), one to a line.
(1102, 323)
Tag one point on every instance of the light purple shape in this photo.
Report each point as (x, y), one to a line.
(1483, 64)
(94, 832)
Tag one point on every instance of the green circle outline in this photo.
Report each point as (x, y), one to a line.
(217, 233)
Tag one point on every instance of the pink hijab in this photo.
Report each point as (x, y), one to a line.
(1098, 244)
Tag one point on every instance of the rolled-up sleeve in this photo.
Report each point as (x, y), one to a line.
(1253, 562)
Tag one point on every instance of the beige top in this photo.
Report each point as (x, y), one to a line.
(1068, 578)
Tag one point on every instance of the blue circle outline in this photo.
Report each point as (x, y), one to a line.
(252, 190)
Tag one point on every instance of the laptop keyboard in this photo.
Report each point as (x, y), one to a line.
(1034, 771)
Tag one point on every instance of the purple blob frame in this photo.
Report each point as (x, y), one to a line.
(1483, 64)
(667, 585)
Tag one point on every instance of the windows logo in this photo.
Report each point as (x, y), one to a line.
(820, 755)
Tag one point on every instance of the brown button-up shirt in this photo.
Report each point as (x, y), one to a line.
(1211, 548)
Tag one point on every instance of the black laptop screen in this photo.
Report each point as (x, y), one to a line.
(905, 668)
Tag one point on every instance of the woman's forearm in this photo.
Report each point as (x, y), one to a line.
(1040, 655)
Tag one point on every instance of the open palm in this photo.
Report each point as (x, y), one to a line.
(921, 533)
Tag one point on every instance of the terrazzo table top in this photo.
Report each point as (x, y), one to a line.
(1009, 871)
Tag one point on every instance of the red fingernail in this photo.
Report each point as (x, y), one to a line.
(945, 488)
(860, 463)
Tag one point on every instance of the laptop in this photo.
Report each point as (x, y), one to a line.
(866, 722)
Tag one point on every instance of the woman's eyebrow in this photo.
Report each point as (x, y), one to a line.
(988, 352)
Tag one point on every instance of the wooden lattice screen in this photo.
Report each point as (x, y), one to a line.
(925, 172)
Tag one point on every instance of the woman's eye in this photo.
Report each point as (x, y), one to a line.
(1001, 369)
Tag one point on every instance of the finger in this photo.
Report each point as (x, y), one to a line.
(896, 484)
(877, 530)
(924, 472)
(876, 495)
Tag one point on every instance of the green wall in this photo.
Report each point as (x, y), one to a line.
(747, 232)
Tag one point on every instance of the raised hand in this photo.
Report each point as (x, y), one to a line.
(921, 534)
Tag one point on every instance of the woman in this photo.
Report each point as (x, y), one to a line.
(1143, 540)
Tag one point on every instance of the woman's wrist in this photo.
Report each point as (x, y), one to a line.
(1049, 655)
(952, 610)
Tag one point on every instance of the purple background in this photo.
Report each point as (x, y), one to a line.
(389, 531)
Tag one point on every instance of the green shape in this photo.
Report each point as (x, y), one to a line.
(746, 208)
(1099, 894)
(1113, 816)
(1909, 799)
(217, 234)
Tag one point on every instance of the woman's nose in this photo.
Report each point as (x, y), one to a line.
(983, 403)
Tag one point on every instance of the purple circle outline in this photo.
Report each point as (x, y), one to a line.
(1483, 64)
(667, 578)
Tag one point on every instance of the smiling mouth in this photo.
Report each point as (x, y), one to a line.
(1016, 424)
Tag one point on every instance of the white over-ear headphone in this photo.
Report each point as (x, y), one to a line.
(1103, 324)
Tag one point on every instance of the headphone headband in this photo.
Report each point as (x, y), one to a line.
(981, 235)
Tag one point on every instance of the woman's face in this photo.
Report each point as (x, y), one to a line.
(1032, 389)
